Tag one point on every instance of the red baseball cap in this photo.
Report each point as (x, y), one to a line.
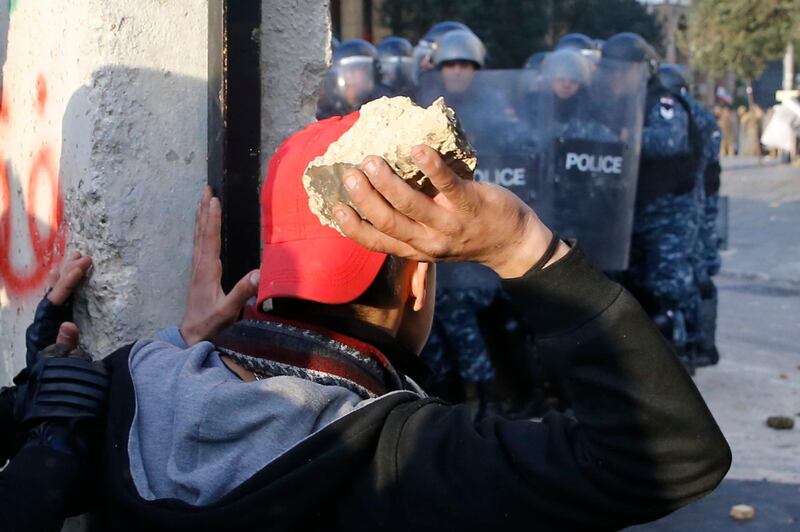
(302, 258)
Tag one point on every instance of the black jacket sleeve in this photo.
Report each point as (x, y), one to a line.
(8, 427)
(35, 489)
(642, 442)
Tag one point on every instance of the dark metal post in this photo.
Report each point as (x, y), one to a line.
(234, 129)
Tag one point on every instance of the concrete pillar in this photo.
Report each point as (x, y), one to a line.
(103, 138)
(295, 53)
(103, 132)
(103, 143)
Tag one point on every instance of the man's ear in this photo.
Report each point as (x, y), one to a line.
(419, 285)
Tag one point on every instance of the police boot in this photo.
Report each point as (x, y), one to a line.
(709, 356)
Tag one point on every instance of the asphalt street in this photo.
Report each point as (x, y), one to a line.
(759, 341)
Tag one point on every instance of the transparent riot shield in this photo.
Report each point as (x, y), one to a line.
(564, 137)
(591, 135)
(348, 84)
(497, 110)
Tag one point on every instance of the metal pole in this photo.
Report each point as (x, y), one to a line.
(788, 68)
(234, 130)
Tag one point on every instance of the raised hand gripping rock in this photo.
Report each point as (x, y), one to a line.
(389, 128)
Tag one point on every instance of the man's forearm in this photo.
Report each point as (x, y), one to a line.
(643, 429)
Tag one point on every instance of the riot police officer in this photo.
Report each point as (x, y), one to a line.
(569, 198)
(568, 74)
(352, 80)
(423, 51)
(665, 225)
(457, 58)
(456, 351)
(701, 320)
(396, 63)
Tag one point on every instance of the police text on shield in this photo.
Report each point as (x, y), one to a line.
(588, 162)
(507, 177)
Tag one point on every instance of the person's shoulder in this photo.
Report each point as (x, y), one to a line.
(122, 357)
(167, 352)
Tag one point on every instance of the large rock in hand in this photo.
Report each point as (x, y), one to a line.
(388, 127)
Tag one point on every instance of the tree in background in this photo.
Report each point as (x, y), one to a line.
(741, 36)
(514, 29)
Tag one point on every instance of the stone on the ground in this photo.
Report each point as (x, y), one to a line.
(780, 422)
(389, 128)
(742, 512)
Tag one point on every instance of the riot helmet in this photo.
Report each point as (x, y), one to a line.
(439, 29)
(567, 65)
(423, 51)
(621, 50)
(575, 41)
(458, 55)
(535, 61)
(395, 47)
(580, 43)
(395, 58)
(355, 48)
(633, 48)
(351, 79)
(566, 73)
(675, 78)
(459, 45)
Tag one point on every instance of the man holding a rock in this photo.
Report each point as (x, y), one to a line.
(311, 413)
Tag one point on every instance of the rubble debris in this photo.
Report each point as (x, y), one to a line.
(743, 512)
(389, 128)
(780, 422)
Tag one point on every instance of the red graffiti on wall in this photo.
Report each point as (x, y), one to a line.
(41, 95)
(47, 246)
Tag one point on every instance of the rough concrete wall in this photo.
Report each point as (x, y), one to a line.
(295, 52)
(103, 132)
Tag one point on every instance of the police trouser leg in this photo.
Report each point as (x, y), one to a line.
(707, 354)
(665, 238)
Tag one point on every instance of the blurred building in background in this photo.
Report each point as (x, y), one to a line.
(358, 19)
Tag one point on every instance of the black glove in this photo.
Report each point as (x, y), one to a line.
(44, 329)
(62, 401)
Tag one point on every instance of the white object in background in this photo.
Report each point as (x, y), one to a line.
(781, 131)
